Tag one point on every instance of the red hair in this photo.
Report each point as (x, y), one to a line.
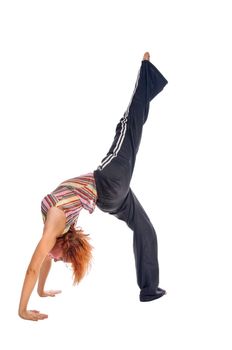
(78, 251)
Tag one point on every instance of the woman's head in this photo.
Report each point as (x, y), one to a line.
(74, 247)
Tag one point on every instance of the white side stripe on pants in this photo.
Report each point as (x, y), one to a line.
(121, 137)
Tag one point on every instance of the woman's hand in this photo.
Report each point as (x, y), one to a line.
(32, 315)
(49, 293)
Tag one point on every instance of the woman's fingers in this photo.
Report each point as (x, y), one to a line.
(41, 316)
(36, 315)
(52, 293)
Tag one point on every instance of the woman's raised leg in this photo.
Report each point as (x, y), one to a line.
(114, 174)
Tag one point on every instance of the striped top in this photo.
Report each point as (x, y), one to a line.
(72, 195)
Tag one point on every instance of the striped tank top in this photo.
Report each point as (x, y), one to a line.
(72, 195)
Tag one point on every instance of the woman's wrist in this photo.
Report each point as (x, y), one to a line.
(40, 292)
(21, 310)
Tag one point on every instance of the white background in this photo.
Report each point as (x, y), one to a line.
(67, 71)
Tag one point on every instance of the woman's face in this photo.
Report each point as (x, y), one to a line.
(57, 253)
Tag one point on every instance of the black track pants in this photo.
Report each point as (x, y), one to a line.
(114, 174)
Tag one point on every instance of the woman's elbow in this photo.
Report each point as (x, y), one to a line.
(31, 271)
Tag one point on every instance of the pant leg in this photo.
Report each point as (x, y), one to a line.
(144, 244)
(129, 130)
(114, 174)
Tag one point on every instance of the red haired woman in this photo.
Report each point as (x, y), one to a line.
(108, 187)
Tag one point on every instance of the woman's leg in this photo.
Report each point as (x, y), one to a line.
(145, 247)
(129, 129)
(114, 174)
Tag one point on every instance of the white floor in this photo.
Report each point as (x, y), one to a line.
(67, 73)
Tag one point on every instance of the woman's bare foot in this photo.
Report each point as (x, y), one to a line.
(146, 56)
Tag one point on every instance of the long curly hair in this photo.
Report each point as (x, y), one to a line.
(76, 250)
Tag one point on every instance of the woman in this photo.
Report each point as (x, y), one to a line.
(108, 187)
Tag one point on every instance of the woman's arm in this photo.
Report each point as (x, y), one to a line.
(54, 227)
(32, 273)
(43, 274)
(44, 271)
